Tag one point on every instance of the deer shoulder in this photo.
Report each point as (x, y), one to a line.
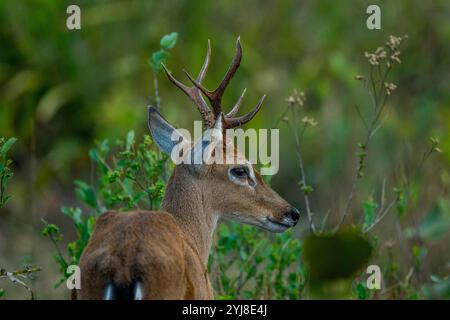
(146, 247)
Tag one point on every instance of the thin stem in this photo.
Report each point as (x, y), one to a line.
(144, 189)
(425, 156)
(373, 86)
(281, 117)
(25, 273)
(371, 129)
(120, 183)
(58, 251)
(361, 117)
(354, 183)
(244, 267)
(2, 188)
(155, 86)
(302, 170)
(381, 216)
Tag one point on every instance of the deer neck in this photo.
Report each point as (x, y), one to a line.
(186, 200)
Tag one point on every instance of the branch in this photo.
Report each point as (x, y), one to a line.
(24, 273)
(371, 129)
(381, 215)
(302, 170)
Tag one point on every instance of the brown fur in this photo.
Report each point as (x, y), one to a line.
(168, 250)
(143, 245)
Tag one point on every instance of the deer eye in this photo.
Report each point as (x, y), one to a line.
(240, 172)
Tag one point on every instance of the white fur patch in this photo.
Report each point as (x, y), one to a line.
(108, 294)
(138, 292)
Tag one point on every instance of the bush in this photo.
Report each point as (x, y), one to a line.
(128, 176)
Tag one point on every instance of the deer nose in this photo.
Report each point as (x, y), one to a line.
(294, 214)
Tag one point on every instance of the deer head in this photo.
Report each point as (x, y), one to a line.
(231, 190)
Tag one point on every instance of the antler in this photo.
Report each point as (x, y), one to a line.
(193, 93)
(215, 97)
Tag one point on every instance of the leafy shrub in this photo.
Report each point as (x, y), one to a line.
(248, 263)
(128, 175)
(6, 173)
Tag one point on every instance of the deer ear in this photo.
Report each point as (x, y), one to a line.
(164, 134)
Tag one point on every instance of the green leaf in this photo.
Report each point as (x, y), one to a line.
(7, 145)
(2, 292)
(440, 290)
(59, 283)
(224, 297)
(50, 229)
(157, 58)
(104, 147)
(402, 201)
(369, 207)
(5, 201)
(419, 253)
(130, 140)
(93, 154)
(435, 278)
(361, 291)
(74, 214)
(85, 193)
(169, 40)
(436, 223)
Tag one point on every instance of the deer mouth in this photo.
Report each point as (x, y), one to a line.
(276, 226)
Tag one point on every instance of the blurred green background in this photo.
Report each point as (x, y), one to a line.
(62, 90)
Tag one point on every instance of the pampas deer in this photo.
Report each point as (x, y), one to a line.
(163, 254)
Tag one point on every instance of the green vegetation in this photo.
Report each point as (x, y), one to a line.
(247, 263)
(6, 172)
(355, 155)
(126, 176)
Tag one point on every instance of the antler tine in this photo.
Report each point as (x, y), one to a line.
(231, 70)
(198, 83)
(193, 92)
(215, 97)
(235, 122)
(184, 88)
(199, 86)
(236, 107)
(205, 66)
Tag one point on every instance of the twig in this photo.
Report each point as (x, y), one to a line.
(302, 171)
(55, 244)
(120, 183)
(2, 189)
(324, 220)
(281, 117)
(383, 193)
(242, 268)
(25, 273)
(361, 117)
(157, 97)
(371, 129)
(381, 215)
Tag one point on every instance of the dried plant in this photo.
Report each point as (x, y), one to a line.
(18, 277)
(298, 125)
(381, 62)
(377, 83)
